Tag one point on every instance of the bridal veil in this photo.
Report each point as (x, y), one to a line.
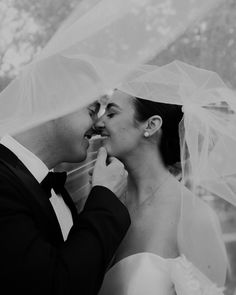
(91, 52)
(101, 46)
(207, 143)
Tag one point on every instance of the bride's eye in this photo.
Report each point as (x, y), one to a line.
(110, 114)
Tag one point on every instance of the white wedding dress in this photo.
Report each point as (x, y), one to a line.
(149, 274)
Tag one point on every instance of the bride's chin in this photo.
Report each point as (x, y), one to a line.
(106, 144)
(108, 148)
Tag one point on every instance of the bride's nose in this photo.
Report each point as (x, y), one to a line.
(99, 125)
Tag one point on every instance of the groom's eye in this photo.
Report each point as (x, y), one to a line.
(92, 113)
(93, 109)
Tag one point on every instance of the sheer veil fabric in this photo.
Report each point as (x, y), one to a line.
(100, 47)
(208, 141)
(93, 50)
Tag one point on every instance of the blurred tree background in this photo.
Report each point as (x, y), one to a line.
(27, 25)
(25, 28)
(210, 44)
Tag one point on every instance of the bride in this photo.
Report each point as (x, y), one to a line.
(174, 244)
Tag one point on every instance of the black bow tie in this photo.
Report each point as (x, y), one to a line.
(55, 181)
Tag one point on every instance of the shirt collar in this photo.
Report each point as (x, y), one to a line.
(37, 168)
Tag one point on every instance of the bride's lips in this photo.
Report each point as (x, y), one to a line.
(104, 135)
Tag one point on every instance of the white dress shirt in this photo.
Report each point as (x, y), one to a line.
(39, 170)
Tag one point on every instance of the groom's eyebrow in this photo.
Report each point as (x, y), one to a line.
(95, 105)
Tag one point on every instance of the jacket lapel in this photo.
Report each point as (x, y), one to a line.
(35, 192)
(69, 202)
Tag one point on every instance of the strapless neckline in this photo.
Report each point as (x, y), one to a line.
(147, 273)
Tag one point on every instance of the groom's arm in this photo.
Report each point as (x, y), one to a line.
(93, 241)
(34, 265)
(102, 224)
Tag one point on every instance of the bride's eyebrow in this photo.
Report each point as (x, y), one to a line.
(112, 105)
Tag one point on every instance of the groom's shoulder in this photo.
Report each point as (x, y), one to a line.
(8, 179)
(5, 172)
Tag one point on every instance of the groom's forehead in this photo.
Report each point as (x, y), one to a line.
(94, 103)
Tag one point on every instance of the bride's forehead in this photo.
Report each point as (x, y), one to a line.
(120, 97)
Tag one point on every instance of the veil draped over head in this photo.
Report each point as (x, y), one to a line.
(93, 50)
(208, 129)
(207, 145)
(98, 48)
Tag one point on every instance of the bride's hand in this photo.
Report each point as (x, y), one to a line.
(112, 175)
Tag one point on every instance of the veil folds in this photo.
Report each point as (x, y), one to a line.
(91, 52)
(208, 129)
(99, 48)
(207, 143)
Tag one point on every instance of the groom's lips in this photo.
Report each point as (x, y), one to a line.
(88, 136)
(90, 133)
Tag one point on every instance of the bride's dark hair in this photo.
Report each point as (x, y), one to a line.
(171, 116)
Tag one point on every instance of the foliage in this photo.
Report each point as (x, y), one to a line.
(29, 24)
(211, 44)
(26, 26)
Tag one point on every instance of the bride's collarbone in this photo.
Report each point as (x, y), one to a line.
(159, 241)
(155, 233)
(167, 198)
(154, 225)
(157, 226)
(163, 206)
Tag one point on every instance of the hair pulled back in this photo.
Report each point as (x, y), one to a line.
(171, 116)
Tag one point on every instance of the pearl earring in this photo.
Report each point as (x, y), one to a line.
(146, 134)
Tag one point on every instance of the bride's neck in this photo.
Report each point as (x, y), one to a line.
(146, 172)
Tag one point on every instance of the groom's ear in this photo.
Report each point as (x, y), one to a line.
(153, 124)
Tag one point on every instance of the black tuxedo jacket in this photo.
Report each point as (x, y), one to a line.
(34, 258)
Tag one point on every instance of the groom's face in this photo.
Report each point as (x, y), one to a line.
(74, 131)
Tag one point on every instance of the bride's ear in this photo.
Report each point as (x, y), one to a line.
(153, 124)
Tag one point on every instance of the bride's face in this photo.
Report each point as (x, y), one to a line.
(117, 126)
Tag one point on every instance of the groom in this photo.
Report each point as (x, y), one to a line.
(45, 246)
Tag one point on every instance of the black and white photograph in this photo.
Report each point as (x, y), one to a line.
(118, 147)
